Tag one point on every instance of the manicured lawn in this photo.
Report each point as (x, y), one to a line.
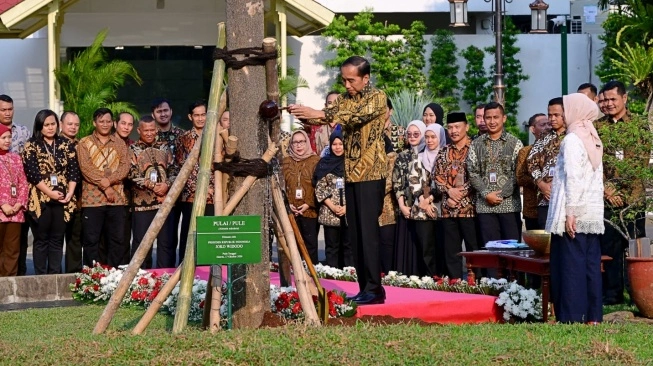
(62, 336)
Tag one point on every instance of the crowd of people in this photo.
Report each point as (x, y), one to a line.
(446, 191)
(96, 195)
(388, 197)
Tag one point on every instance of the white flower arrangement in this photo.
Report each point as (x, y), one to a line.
(517, 301)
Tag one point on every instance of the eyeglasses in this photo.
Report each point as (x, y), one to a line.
(300, 142)
(414, 134)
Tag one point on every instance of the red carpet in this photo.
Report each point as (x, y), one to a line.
(429, 306)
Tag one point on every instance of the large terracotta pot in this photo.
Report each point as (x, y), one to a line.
(640, 273)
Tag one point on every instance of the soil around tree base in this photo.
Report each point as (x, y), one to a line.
(271, 320)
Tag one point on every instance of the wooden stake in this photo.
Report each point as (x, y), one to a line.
(157, 302)
(305, 297)
(146, 244)
(201, 191)
(282, 251)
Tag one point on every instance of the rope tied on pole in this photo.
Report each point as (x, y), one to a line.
(251, 56)
(240, 167)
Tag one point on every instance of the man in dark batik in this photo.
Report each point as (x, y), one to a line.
(152, 173)
(458, 209)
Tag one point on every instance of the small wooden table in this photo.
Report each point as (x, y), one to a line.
(526, 261)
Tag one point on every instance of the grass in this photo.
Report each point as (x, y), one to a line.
(62, 336)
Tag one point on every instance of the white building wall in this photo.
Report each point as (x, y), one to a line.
(518, 7)
(24, 77)
(540, 57)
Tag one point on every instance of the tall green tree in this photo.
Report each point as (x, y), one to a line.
(443, 72)
(90, 81)
(513, 75)
(476, 83)
(397, 61)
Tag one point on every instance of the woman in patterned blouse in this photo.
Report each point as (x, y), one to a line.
(52, 171)
(13, 200)
(406, 254)
(298, 168)
(425, 208)
(329, 180)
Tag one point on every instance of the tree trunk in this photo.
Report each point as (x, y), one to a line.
(245, 28)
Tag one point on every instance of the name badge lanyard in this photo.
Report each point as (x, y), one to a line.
(492, 173)
(299, 191)
(52, 155)
(340, 185)
(7, 165)
(154, 174)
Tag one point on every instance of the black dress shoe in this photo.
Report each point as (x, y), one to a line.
(355, 297)
(368, 298)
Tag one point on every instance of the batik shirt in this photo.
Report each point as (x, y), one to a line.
(147, 162)
(170, 137)
(491, 166)
(327, 188)
(541, 161)
(419, 178)
(390, 207)
(185, 144)
(451, 172)
(396, 134)
(99, 160)
(362, 117)
(400, 176)
(19, 137)
(41, 162)
(12, 176)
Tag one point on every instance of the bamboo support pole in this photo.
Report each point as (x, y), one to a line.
(301, 282)
(201, 191)
(157, 302)
(146, 244)
(283, 251)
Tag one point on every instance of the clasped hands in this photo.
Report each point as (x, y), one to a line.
(494, 198)
(299, 211)
(10, 210)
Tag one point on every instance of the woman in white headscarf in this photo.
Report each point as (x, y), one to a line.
(425, 209)
(575, 218)
(405, 253)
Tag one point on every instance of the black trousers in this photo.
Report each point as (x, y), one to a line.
(107, 222)
(425, 243)
(186, 211)
(499, 226)
(387, 239)
(364, 205)
(615, 246)
(128, 234)
(531, 223)
(165, 246)
(456, 230)
(22, 256)
(542, 212)
(337, 246)
(308, 228)
(74, 243)
(49, 230)
(576, 278)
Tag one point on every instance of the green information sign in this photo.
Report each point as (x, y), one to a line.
(228, 240)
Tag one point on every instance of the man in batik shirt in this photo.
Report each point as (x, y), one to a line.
(152, 173)
(451, 179)
(542, 159)
(185, 143)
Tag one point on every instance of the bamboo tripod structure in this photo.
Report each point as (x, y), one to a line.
(283, 226)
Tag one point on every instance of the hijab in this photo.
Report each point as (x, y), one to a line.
(428, 156)
(580, 112)
(438, 111)
(330, 163)
(422, 128)
(291, 148)
(4, 129)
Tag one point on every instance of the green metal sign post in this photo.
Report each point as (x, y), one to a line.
(228, 240)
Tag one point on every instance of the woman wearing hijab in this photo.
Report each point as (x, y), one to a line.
(575, 218)
(425, 210)
(13, 201)
(433, 113)
(329, 181)
(406, 254)
(298, 168)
